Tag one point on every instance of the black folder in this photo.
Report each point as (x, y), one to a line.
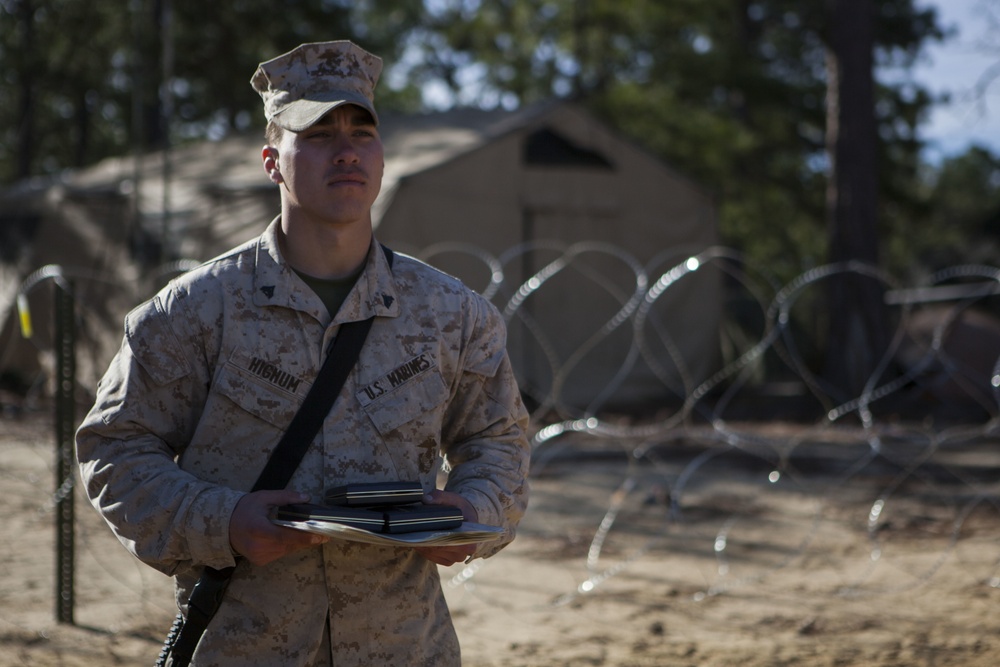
(372, 520)
(374, 494)
(415, 518)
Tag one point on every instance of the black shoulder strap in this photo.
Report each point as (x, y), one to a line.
(343, 354)
(288, 453)
(206, 596)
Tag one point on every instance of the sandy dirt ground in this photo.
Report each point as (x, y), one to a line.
(775, 545)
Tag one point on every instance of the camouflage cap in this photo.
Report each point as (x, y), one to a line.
(301, 86)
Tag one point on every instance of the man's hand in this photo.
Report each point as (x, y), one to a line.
(453, 554)
(253, 536)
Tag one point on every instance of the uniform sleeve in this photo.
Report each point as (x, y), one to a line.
(485, 444)
(146, 409)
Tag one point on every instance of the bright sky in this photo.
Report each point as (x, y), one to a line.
(955, 67)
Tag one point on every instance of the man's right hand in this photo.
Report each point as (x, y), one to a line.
(253, 535)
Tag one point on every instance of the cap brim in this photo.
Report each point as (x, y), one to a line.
(300, 114)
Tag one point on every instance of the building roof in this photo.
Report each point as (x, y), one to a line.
(417, 142)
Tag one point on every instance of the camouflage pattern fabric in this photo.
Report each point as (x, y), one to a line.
(300, 86)
(211, 371)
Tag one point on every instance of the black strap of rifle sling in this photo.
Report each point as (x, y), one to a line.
(289, 452)
(343, 355)
(206, 596)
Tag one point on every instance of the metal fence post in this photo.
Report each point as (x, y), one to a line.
(65, 430)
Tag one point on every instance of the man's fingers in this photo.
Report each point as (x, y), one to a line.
(447, 555)
(253, 535)
(438, 497)
(276, 541)
(275, 498)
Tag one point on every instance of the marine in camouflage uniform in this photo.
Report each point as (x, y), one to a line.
(211, 371)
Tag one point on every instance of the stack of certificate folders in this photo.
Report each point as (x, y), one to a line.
(379, 507)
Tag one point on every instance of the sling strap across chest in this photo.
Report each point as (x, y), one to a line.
(207, 594)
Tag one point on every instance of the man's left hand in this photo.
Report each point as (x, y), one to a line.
(452, 554)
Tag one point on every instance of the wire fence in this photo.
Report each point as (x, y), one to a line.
(900, 480)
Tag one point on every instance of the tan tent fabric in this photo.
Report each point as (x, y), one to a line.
(468, 177)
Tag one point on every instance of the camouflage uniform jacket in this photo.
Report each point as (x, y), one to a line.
(211, 371)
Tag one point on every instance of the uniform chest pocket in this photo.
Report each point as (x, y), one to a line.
(417, 399)
(261, 388)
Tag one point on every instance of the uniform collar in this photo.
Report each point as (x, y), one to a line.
(275, 284)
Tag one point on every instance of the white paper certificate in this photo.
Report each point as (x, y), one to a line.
(468, 533)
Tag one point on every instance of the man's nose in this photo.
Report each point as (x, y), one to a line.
(343, 148)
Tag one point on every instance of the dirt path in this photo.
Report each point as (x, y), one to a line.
(780, 556)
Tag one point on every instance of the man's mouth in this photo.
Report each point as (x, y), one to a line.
(348, 179)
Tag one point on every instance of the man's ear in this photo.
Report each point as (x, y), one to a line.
(269, 155)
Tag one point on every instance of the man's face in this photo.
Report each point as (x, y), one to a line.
(331, 172)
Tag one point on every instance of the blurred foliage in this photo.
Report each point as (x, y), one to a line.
(731, 93)
(961, 220)
(85, 80)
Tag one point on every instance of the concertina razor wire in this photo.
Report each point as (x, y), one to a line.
(663, 490)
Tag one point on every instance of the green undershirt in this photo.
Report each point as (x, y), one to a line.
(331, 292)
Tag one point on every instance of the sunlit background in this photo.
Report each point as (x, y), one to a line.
(966, 69)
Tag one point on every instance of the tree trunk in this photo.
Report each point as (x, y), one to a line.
(26, 82)
(857, 335)
(81, 119)
(148, 124)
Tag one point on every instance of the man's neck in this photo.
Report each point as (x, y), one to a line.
(325, 251)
